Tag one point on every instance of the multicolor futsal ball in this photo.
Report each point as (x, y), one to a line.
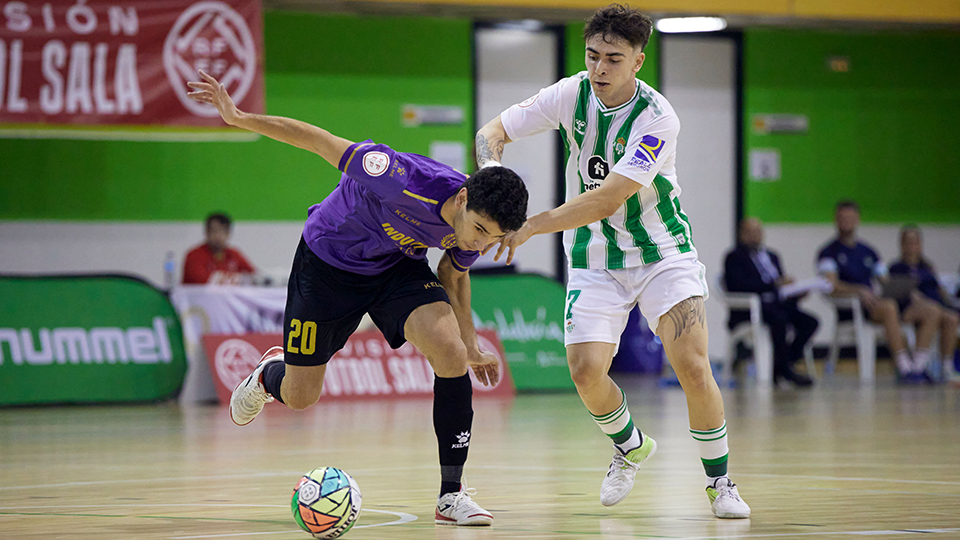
(326, 502)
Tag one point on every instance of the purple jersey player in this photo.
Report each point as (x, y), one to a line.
(363, 252)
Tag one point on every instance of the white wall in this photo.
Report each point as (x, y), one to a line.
(698, 80)
(44, 247)
(512, 65)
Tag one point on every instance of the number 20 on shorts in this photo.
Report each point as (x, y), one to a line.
(302, 338)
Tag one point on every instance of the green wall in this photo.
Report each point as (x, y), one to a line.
(575, 52)
(347, 74)
(885, 133)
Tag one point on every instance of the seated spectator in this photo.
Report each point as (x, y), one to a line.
(751, 267)
(213, 262)
(929, 294)
(852, 266)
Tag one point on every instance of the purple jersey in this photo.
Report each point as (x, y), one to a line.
(386, 206)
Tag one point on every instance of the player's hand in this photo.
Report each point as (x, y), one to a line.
(512, 241)
(486, 367)
(213, 92)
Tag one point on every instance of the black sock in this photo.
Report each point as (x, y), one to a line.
(272, 378)
(452, 421)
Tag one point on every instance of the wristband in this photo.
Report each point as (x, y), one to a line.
(491, 163)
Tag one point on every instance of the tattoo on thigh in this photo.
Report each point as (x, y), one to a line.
(686, 314)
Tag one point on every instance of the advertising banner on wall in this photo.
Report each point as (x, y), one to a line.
(526, 311)
(366, 368)
(87, 339)
(119, 68)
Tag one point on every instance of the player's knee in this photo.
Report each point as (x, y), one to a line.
(301, 398)
(449, 358)
(585, 373)
(888, 309)
(694, 376)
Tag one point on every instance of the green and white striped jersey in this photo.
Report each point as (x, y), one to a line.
(637, 140)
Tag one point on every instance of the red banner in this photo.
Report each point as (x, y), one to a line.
(366, 368)
(126, 62)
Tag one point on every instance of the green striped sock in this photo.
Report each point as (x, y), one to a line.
(712, 445)
(618, 425)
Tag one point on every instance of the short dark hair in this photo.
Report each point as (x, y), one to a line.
(221, 218)
(843, 204)
(499, 194)
(618, 21)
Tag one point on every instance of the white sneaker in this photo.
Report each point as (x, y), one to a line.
(725, 500)
(459, 509)
(249, 397)
(619, 480)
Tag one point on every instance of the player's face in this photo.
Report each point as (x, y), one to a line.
(848, 219)
(751, 233)
(476, 232)
(217, 235)
(910, 245)
(613, 68)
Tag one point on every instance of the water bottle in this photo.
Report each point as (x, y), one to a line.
(169, 268)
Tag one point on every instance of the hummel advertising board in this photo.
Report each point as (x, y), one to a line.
(87, 339)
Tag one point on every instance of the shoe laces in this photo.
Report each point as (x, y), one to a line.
(463, 497)
(621, 463)
(726, 490)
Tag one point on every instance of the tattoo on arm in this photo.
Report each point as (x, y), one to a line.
(488, 150)
(686, 314)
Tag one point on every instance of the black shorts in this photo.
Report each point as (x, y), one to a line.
(325, 304)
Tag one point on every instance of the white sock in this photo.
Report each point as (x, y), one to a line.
(904, 363)
(633, 442)
(712, 480)
(920, 360)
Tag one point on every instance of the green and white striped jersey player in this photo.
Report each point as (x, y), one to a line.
(627, 242)
(638, 140)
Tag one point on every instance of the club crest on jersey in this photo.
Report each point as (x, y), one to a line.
(597, 168)
(529, 101)
(375, 163)
(619, 146)
(579, 126)
(647, 153)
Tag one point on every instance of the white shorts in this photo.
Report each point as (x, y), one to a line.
(599, 301)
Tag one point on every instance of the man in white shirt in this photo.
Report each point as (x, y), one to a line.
(627, 243)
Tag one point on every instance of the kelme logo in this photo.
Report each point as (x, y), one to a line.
(110, 345)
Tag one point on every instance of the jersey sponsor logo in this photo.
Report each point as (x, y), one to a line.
(597, 168)
(407, 243)
(214, 35)
(647, 153)
(375, 163)
(529, 101)
(449, 241)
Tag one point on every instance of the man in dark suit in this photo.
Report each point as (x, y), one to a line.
(752, 268)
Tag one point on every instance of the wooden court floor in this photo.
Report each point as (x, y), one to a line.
(835, 462)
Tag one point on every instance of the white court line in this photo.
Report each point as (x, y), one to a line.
(887, 532)
(404, 518)
(296, 474)
(851, 479)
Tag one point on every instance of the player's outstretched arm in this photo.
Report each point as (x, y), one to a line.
(293, 132)
(490, 141)
(457, 284)
(581, 210)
